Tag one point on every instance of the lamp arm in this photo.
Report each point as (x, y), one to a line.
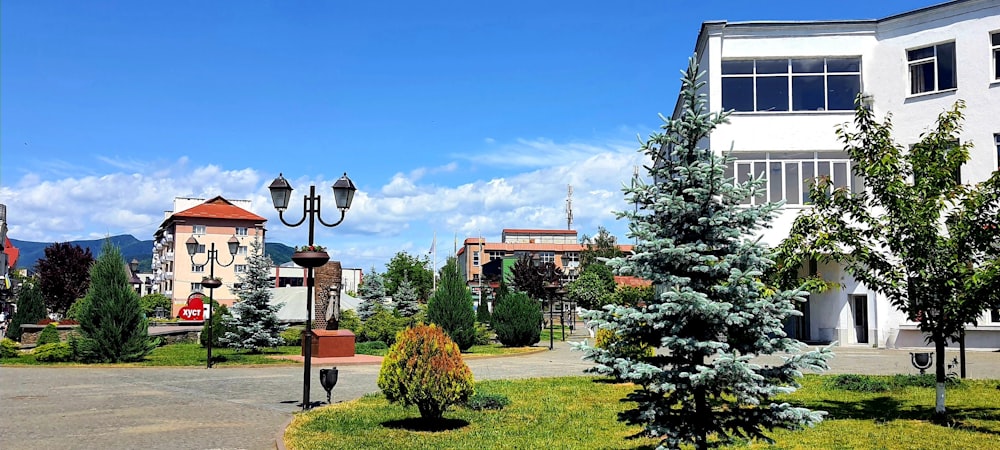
(330, 225)
(232, 259)
(281, 216)
(207, 259)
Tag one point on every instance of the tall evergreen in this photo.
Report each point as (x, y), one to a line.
(252, 323)
(450, 307)
(372, 293)
(112, 322)
(405, 298)
(516, 319)
(483, 311)
(711, 313)
(30, 308)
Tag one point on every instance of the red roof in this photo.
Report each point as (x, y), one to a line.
(11, 251)
(530, 231)
(219, 208)
(632, 281)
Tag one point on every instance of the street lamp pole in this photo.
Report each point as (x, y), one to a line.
(211, 282)
(343, 194)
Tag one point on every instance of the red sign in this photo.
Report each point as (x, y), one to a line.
(194, 310)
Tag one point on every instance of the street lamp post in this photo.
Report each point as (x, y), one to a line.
(211, 282)
(281, 193)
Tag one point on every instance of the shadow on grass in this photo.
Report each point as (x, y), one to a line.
(421, 424)
(884, 409)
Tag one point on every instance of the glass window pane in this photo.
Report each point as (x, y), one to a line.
(745, 156)
(772, 66)
(996, 64)
(737, 94)
(840, 175)
(772, 93)
(759, 171)
(742, 176)
(774, 180)
(843, 64)
(812, 65)
(920, 53)
(921, 78)
(857, 180)
(823, 169)
(732, 67)
(792, 183)
(807, 180)
(841, 91)
(947, 78)
(807, 93)
(995, 38)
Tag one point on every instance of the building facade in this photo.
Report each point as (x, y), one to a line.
(791, 83)
(214, 221)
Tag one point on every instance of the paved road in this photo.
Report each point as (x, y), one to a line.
(246, 408)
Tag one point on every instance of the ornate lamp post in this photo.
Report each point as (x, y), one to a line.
(211, 282)
(343, 195)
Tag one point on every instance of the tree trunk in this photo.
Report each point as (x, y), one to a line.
(939, 362)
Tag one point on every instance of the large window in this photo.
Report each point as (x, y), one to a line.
(197, 268)
(241, 231)
(995, 42)
(198, 229)
(196, 287)
(799, 84)
(932, 68)
(789, 175)
(547, 257)
(475, 259)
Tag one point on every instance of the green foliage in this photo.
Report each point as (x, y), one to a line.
(63, 274)
(483, 334)
(30, 308)
(517, 319)
(55, 352)
(878, 383)
(531, 278)
(608, 340)
(601, 245)
(372, 293)
(590, 290)
(481, 400)
(150, 302)
(349, 320)
(483, 315)
(711, 312)
(451, 307)
(113, 325)
(253, 323)
(292, 336)
(404, 298)
(220, 326)
(413, 269)
(425, 368)
(76, 309)
(377, 348)
(49, 335)
(631, 295)
(9, 348)
(382, 326)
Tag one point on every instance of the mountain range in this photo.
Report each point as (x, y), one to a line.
(131, 248)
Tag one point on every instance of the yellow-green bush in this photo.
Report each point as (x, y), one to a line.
(292, 336)
(425, 368)
(56, 352)
(49, 335)
(9, 348)
(605, 338)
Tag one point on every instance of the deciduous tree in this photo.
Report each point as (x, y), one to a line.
(64, 275)
(404, 266)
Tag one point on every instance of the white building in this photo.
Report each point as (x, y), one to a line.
(792, 83)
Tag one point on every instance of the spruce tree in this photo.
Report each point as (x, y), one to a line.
(711, 313)
(112, 322)
(516, 319)
(252, 323)
(372, 293)
(450, 307)
(405, 298)
(483, 311)
(30, 308)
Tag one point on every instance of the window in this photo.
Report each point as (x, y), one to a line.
(242, 250)
(198, 229)
(995, 42)
(932, 68)
(496, 254)
(197, 268)
(547, 257)
(571, 257)
(196, 287)
(799, 84)
(475, 258)
(788, 176)
(996, 139)
(240, 268)
(241, 231)
(995, 315)
(201, 248)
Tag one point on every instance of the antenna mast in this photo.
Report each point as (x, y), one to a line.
(569, 207)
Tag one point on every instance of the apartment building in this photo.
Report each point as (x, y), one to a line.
(203, 222)
(791, 83)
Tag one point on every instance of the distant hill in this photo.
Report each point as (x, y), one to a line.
(131, 248)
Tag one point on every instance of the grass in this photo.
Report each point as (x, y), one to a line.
(579, 412)
(181, 355)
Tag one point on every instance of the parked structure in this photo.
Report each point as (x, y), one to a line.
(792, 83)
(216, 220)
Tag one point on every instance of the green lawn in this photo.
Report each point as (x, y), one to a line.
(579, 412)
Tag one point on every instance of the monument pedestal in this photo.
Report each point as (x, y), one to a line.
(331, 343)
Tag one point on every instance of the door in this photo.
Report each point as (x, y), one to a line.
(860, 303)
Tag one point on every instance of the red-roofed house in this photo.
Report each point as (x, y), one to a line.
(216, 220)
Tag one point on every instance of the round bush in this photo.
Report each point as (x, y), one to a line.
(9, 348)
(517, 320)
(292, 336)
(57, 352)
(425, 368)
(381, 326)
(49, 335)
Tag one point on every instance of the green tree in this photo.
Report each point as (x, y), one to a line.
(451, 307)
(253, 323)
(404, 266)
(155, 300)
(372, 293)
(113, 325)
(220, 323)
(517, 319)
(63, 275)
(589, 290)
(405, 299)
(483, 310)
(917, 236)
(532, 277)
(603, 245)
(30, 308)
(712, 314)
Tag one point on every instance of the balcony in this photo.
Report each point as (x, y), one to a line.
(168, 237)
(169, 256)
(168, 275)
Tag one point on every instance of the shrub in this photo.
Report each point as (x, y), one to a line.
(218, 328)
(451, 307)
(30, 308)
(349, 320)
(517, 320)
(483, 311)
(425, 368)
(292, 336)
(381, 326)
(9, 348)
(56, 352)
(75, 310)
(483, 401)
(857, 383)
(483, 334)
(150, 302)
(371, 348)
(49, 335)
(607, 339)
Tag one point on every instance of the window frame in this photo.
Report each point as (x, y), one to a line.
(995, 50)
(241, 231)
(197, 268)
(475, 258)
(198, 230)
(239, 268)
(197, 287)
(243, 250)
(818, 162)
(911, 63)
(996, 141)
(792, 76)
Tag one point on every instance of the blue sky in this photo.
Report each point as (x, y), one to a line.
(458, 118)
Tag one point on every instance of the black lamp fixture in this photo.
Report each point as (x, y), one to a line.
(328, 378)
(211, 282)
(343, 196)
